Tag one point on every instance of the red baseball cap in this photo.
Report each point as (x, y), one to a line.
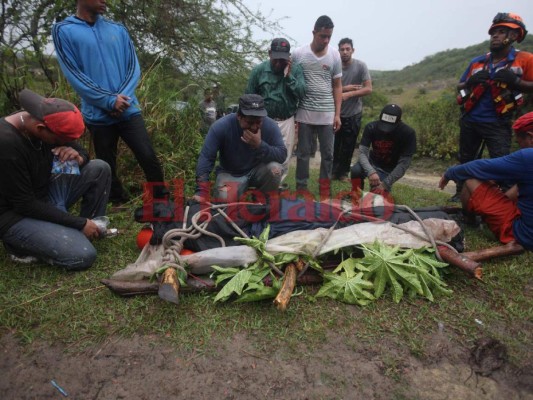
(524, 123)
(60, 116)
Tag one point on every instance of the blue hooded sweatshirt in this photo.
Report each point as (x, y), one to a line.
(99, 61)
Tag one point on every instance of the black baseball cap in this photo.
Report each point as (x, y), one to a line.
(280, 48)
(253, 105)
(390, 118)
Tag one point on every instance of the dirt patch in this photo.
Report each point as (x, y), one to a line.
(146, 367)
(423, 173)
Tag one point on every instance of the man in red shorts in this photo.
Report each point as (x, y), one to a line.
(508, 215)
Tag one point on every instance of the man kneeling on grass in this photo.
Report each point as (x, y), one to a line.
(44, 172)
(508, 215)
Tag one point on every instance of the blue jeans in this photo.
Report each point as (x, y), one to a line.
(358, 172)
(265, 178)
(57, 244)
(306, 135)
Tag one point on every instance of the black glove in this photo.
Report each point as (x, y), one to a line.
(479, 77)
(507, 76)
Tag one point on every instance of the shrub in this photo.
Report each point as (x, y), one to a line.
(436, 125)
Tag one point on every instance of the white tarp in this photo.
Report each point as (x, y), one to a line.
(297, 242)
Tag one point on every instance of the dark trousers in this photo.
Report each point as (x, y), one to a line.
(133, 132)
(497, 137)
(344, 145)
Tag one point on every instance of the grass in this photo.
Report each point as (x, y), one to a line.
(39, 302)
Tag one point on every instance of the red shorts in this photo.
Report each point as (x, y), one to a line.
(496, 209)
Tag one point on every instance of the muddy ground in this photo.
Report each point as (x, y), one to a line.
(144, 367)
(147, 367)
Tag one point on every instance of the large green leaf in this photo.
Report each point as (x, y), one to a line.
(235, 285)
(346, 288)
(412, 271)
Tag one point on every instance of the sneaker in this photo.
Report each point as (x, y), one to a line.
(456, 198)
(283, 187)
(22, 259)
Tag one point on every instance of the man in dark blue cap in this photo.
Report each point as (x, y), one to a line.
(282, 85)
(250, 150)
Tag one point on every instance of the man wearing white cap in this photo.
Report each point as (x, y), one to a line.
(385, 152)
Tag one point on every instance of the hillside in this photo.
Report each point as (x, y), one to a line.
(442, 66)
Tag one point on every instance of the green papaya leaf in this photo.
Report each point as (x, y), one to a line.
(235, 285)
(351, 290)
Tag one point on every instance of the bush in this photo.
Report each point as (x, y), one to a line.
(436, 124)
(175, 134)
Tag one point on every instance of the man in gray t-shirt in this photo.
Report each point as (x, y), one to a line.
(356, 83)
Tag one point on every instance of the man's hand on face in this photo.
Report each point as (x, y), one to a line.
(287, 70)
(252, 139)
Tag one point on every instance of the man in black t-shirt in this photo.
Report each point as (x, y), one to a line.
(44, 172)
(385, 152)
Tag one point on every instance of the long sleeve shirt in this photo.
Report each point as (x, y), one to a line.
(516, 167)
(24, 181)
(392, 152)
(282, 94)
(99, 61)
(236, 157)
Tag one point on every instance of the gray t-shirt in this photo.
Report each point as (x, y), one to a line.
(355, 74)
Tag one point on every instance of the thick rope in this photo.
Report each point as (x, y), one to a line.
(173, 239)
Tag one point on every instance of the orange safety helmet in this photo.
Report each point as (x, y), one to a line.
(510, 20)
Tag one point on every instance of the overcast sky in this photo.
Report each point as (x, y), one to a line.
(392, 34)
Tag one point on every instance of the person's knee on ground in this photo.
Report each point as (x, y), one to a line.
(74, 258)
(80, 260)
(268, 178)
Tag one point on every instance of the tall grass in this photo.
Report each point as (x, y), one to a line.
(175, 134)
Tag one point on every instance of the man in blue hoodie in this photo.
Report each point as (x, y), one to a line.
(98, 59)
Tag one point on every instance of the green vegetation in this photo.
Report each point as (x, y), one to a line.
(441, 66)
(40, 302)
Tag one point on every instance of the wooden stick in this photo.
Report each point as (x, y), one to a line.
(459, 260)
(131, 288)
(289, 282)
(169, 287)
(510, 249)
